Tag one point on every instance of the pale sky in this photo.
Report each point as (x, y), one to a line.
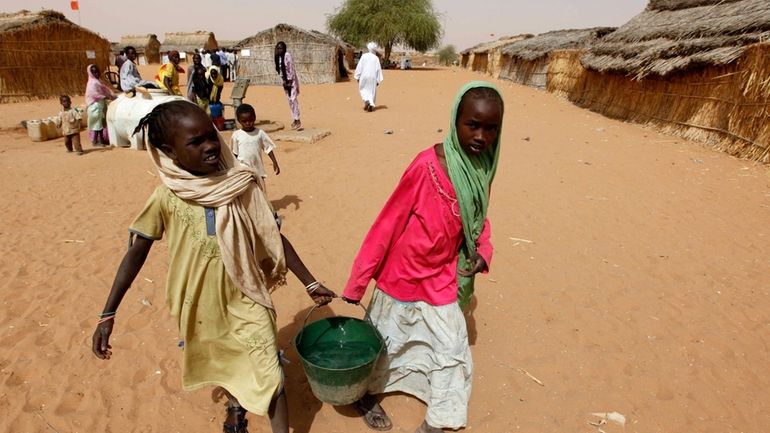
(466, 22)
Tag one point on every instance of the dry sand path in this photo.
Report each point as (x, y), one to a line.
(630, 273)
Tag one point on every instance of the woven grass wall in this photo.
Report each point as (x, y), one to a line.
(479, 62)
(47, 61)
(464, 60)
(530, 73)
(316, 63)
(725, 107)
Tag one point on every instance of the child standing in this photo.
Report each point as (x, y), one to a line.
(423, 250)
(69, 122)
(225, 253)
(284, 65)
(249, 142)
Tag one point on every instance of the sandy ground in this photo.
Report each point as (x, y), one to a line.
(630, 273)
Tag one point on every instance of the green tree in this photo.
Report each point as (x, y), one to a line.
(447, 55)
(411, 23)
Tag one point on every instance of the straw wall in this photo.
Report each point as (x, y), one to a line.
(464, 60)
(45, 61)
(723, 106)
(316, 63)
(530, 73)
(479, 62)
(495, 59)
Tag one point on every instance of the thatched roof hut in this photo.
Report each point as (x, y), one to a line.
(318, 57)
(485, 57)
(526, 61)
(228, 43)
(147, 47)
(694, 68)
(43, 54)
(188, 42)
(674, 35)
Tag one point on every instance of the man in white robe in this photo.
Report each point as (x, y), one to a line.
(369, 76)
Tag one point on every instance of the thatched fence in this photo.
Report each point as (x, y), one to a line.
(697, 69)
(526, 61)
(487, 57)
(43, 54)
(318, 57)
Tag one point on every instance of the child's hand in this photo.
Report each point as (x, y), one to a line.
(100, 343)
(322, 296)
(276, 169)
(350, 301)
(476, 264)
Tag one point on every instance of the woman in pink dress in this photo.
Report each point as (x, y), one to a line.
(97, 95)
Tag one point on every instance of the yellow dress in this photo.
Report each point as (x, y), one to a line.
(229, 340)
(168, 70)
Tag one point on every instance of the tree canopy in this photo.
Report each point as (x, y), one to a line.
(447, 55)
(411, 23)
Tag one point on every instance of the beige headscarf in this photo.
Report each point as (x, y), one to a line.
(248, 235)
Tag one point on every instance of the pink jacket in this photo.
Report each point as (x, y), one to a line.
(411, 251)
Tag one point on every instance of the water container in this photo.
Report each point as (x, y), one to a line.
(35, 131)
(83, 117)
(53, 130)
(123, 114)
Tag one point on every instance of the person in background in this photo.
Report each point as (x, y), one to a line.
(97, 95)
(369, 76)
(196, 61)
(284, 65)
(200, 92)
(231, 59)
(168, 74)
(130, 79)
(206, 59)
(224, 68)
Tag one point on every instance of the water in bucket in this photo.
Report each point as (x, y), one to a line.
(342, 354)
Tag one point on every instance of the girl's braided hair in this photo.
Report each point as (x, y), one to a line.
(156, 121)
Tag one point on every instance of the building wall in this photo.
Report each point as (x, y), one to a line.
(43, 62)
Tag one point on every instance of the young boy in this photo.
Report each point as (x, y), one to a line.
(249, 142)
(69, 122)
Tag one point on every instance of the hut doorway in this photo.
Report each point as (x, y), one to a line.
(341, 64)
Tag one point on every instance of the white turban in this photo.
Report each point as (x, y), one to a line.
(371, 46)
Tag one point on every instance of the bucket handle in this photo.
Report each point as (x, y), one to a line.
(304, 323)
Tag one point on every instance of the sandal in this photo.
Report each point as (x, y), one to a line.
(240, 414)
(371, 415)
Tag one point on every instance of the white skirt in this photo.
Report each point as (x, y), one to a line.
(428, 356)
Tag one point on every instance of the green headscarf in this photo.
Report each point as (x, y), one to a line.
(471, 176)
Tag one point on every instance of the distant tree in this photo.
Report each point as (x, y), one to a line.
(447, 55)
(412, 23)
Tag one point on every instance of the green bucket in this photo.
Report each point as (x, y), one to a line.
(338, 355)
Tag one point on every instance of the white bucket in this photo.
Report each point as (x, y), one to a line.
(36, 131)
